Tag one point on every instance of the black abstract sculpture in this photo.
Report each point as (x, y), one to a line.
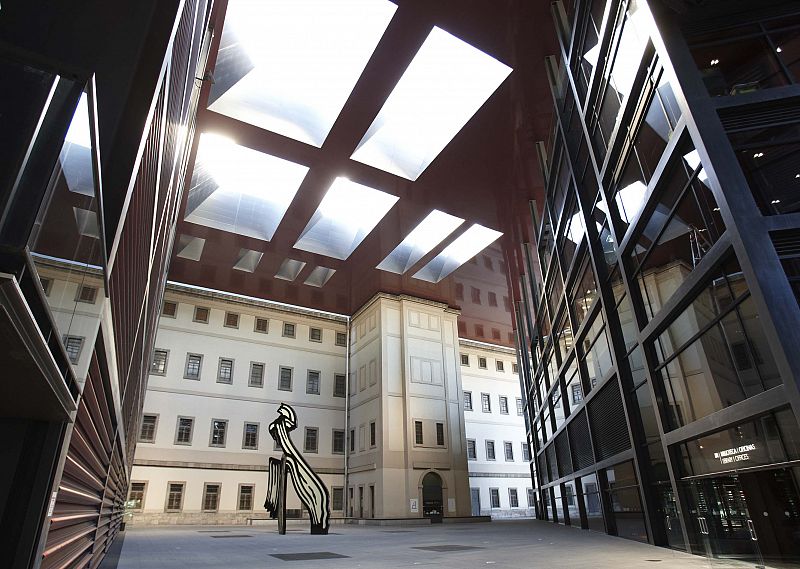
(292, 465)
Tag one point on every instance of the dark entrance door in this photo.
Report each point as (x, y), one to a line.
(432, 497)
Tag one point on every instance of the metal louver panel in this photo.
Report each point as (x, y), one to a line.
(786, 242)
(545, 473)
(760, 115)
(609, 429)
(580, 442)
(562, 453)
(551, 461)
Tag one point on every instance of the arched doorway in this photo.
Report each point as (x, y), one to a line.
(432, 506)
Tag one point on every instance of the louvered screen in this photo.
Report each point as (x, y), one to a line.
(760, 115)
(545, 473)
(786, 242)
(580, 442)
(562, 453)
(607, 419)
(551, 461)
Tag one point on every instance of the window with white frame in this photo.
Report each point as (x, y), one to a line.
(169, 309)
(465, 360)
(159, 364)
(183, 433)
(285, 379)
(472, 451)
(315, 334)
(531, 498)
(526, 452)
(341, 339)
(219, 429)
(520, 408)
(250, 436)
(513, 498)
(339, 385)
(338, 441)
(514, 368)
(231, 320)
(288, 330)
(418, 439)
(500, 365)
(482, 363)
(193, 364)
(509, 451)
(486, 403)
(372, 434)
(87, 294)
(503, 405)
(73, 346)
(337, 498)
(494, 497)
(201, 314)
(174, 497)
(245, 501)
(311, 439)
(490, 455)
(211, 497)
(440, 434)
(256, 378)
(467, 401)
(312, 382)
(261, 325)
(136, 495)
(225, 371)
(147, 430)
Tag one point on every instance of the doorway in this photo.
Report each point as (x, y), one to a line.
(432, 497)
(475, 500)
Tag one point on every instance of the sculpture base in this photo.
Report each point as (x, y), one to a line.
(317, 529)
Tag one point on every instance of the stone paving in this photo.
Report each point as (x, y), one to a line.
(514, 544)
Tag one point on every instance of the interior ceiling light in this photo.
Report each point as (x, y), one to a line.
(248, 260)
(319, 276)
(289, 65)
(444, 85)
(240, 190)
(289, 269)
(346, 215)
(461, 250)
(428, 234)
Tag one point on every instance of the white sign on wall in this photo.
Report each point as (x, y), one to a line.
(414, 505)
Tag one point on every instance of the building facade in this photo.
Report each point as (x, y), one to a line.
(659, 328)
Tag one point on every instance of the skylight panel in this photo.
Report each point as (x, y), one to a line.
(240, 190)
(76, 154)
(346, 215)
(444, 85)
(467, 245)
(190, 248)
(421, 241)
(289, 65)
(319, 276)
(248, 260)
(289, 269)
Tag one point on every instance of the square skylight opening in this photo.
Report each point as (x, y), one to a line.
(462, 249)
(190, 248)
(76, 154)
(346, 215)
(240, 190)
(86, 220)
(423, 238)
(289, 66)
(319, 276)
(248, 260)
(289, 269)
(443, 87)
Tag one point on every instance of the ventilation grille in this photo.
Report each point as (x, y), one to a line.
(786, 242)
(760, 115)
(580, 442)
(562, 452)
(608, 422)
(551, 462)
(712, 16)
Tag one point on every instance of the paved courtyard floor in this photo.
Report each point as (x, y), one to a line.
(514, 544)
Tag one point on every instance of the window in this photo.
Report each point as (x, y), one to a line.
(418, 432)
(288, 330)
(520, 408)
(341, 339)
(256, 378)
(513, 498)
(577, 393)
(231, 320)
(479, 332)
(315, 334)
(465, 360)
(526, 452)
(339, 385)
(486, 403)
(372, 434)
(250, 436)
(509, 451)
(514, 368)
(211, 497)
(246, 496)
(531, 498)
(219, 428)
(285, 379)
(352, 440)
(482, 361)
(47, 285)
(476, 295)
(459, 291)
(492, 299)
(468, 401)
(472, 451)
(440, 434)
(147, 431)
(201, 314)
(73, 346)
(311, 440)
(337, 498)
(183, 434)
(338, 441)
(261, 325)
(490, 450)
(503, 405)
(225, 371)
(312, 382)
(193, 364)
(494, 497)
(487, 262)
(86, 294)
(500, 365)
(169, 309)
(159, 364)
(174, 496)
(136, 495)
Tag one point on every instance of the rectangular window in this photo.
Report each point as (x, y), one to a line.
(73, 346)
(520, 408)
(159, 364)
(467, 401)
(183, 433)
(476, 295)
(136, 495)
(482, 361)
(509, 451)
(352, 440)
(526, 452)
(285, 379)
(250, 437)
(147, 431)
(514, 368)
(174, 496)
(490, 450)
(440, 434)
(288, 330)
(256, 378)
(418, 432)
(246, 497)
(338, 441)
(500, 365)
(201, 314)
(337, 498)
(465, 360)
(219, 428)
(492, 299)
(86, 294)
(211, 498)
(472, 451)
(341, 339)
(315, 334)
(193, 364)
(372, 434)
(312, 382)
(513, 498)
(231, 320)
(503, 405)
(169, 309)
(531, 498)
(494, 497)
(261, 325)
(225, 371)
(339, 385)
(577, 393)
(311, 440)
(486, 403)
